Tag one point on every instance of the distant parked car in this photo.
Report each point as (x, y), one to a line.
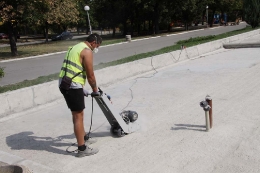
(3, 36)
(63, 36)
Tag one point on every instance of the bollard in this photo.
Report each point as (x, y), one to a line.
(206, 108)
(209, 100)
(128, 38)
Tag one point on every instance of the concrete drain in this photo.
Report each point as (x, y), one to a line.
(11, 169)
(5, 168)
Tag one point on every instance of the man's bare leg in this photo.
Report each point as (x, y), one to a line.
(83, 150)
(78, 117)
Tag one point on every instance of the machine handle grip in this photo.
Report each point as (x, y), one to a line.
(94, 94)
(101, 92)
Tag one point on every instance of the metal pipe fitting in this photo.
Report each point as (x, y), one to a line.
(209, 100)
(207, 121)
(206, 107)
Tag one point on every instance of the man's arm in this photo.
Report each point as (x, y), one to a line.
(87, 62)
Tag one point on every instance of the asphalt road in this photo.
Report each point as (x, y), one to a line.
(31, 68)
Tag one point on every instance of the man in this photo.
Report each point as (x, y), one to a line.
(78, 65)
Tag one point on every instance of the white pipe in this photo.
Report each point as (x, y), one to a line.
(207, 121)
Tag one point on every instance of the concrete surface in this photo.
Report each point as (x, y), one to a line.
(26, 98)
(172, 138)
(161, 90)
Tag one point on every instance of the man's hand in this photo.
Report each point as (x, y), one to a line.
(86, 93)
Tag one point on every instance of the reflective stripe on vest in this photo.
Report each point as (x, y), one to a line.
(73, 64)
(73, 73)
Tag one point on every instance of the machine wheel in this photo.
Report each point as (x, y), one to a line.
(113, 130)
(120, 132)
(117, 131)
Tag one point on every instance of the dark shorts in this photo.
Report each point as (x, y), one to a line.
(74, 99)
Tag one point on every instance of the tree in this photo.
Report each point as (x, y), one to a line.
(232, 8)
(36, 13)
(252, 12)
(188, 11)
(46, 12)
(63, 13)
(10, 12)
(109, 13)
(82, 16)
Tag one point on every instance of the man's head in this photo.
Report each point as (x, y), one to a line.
(94, 40)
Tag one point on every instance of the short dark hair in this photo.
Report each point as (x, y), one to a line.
(94, 37)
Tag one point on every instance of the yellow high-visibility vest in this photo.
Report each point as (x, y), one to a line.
(72, 64)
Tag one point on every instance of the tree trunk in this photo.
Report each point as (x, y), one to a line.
(114, 31)
(212, 17)
(125, 28)
(132, 26)
(78, 29)
(46, 33)
(156, 18)
(15, 32)
(138, 29)
(186, 26)
(12, 39)
(149, 27)
(203, 17)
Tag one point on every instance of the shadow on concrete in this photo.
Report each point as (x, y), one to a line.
(104, 134)
(100, 134)
(28, 141)
(189, 127)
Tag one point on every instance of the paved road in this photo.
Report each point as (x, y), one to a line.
(17, 71)
(172, 138)
(42, 40)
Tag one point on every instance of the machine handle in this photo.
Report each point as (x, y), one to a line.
(101, 92)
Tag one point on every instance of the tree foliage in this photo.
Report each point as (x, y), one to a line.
(252, 12)
(135, 17)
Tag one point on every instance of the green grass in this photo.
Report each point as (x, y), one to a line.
(188, 43)
(27, 83)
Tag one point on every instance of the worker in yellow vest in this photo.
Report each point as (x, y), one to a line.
(77, 67)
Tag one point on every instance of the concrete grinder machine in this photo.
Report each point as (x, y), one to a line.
(122, 123)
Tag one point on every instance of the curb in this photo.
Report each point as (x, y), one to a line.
(241, 45)
(26, 98)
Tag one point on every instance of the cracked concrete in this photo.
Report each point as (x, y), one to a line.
(172, 137)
